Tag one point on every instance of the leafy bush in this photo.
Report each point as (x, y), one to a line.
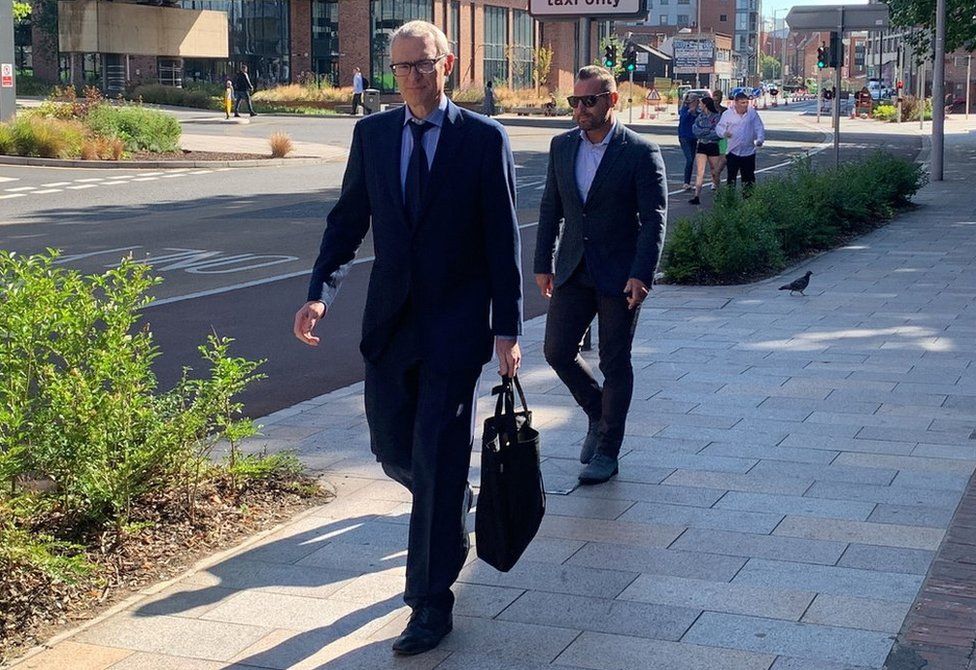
(141, 129)
(7, 143)
(741, 238)
(80, 411)
(31, 85)
(177, 97)
(886, 113)
(34, 135)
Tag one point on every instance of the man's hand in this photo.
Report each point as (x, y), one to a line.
(637, 291)
(306, 318)
(544, 282)
(509, 356)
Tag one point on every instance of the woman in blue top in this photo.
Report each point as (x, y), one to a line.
(686, 119)
(707, 151)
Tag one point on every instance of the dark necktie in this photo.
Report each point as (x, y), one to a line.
(417, 172)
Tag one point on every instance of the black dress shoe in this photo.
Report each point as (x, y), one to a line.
(427, 627)
(589, 442)
(598, 470)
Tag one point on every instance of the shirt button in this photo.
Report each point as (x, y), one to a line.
(586, 239)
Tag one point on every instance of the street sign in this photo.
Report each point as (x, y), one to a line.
(588, 9)
(694, 56)
(816, 18)
(6, 75)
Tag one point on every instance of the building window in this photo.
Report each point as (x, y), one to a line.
(741, 21)
(663, 20)
(259, 37)
(325, 40)
(684, 2)
(385, 17)
(682, 19)
(723, 17)
(523, 49)
(496, 37)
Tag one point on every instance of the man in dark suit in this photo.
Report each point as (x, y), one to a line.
(601, 229)
(438, 185)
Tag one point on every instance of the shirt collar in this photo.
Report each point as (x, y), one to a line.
(436, 117)
(605, 141)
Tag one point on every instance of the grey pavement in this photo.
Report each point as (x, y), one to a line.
(790, 467)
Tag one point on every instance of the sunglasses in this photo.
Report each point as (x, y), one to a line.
(587, 100)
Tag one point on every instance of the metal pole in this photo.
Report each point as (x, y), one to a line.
(630, 99)
(938, 93)
(840, 31)
(921, 95)
(819, 92)
(969, 86)
(586, 54)
(8, 94)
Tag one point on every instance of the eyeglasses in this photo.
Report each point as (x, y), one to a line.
(587, 100)
(425, 66)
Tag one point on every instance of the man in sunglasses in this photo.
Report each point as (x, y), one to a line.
(601, 229)
(437, 184)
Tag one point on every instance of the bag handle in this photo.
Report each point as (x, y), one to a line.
(505, 407)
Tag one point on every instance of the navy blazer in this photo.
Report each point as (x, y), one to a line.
(459, 266)
(619, 230)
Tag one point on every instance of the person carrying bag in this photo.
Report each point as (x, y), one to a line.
(512, 500)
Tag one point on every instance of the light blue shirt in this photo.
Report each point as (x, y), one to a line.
(588, 158)
(430, 138)
(357, 82)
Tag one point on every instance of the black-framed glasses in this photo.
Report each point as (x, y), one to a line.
(587, 100)
(425, 66)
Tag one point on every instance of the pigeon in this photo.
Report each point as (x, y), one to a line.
(798, 284)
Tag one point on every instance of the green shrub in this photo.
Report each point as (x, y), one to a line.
(80, 408)
(886, 113)
(178, 97)
(31, 85)
(787, 217)
(7, 143)
(34, 135)
(140, 128)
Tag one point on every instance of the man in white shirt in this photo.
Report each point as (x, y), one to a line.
(744, 130)
(357, 90)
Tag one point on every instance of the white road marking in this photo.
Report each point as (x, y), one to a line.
(5, 179)
(201, 172)
(178, 174)
(81, 186)
(56, 183)
(76, 257)
(114, 183)
(146, 179)
(12, 195)
(47, 190)
(22, 188)
(148, 174)
(90, 179)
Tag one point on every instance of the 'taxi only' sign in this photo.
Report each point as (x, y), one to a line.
(574, 9)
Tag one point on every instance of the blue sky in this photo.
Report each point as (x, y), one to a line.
(768, 6)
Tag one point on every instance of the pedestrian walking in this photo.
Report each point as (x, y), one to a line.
(723, 143)
(687, 114)
(600, 233)
(707, 152)
(228, 98)
(744, 130)
(242, 91)
(358, 86)
(444, 291)
(489, 102)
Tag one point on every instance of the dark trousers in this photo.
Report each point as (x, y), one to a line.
(242, 96)
(745, 164)
(421, 431)
(357, 102)
(571, 309)
(688, 146)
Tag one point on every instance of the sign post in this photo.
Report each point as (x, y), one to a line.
(8, 91)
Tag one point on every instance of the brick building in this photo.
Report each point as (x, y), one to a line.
(287, 40)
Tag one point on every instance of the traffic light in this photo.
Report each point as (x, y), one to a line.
(835, 53)
(610, 56)
(630, 57)
(822, 56)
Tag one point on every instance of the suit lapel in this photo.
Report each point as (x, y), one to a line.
(395, 135)
(567, 165)
(447, 148)
(614, 149)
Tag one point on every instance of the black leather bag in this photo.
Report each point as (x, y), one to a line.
(512, 500)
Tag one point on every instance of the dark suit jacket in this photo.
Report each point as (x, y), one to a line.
(459, 267)
(619, 230)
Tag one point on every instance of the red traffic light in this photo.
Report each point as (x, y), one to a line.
(900, 84)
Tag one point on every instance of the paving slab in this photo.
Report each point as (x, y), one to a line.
(841, 530)
(601, 651)
(827, 579)
(749, 544)
(861, 613)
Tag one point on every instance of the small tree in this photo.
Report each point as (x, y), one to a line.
(543, 65)
(22, 11)
(771, 67)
